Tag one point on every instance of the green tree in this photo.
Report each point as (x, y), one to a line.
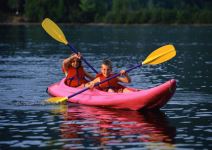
(204, 16)
(183, 16)
(168, 16)
(88, 8)
(34, 10)
(71, 12)
(94, 10)
(109, 11)
(37, 10)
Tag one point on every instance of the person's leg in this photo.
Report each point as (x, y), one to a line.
(111, 90)
(126, 90)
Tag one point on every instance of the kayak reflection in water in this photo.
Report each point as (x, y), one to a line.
(113, 84)
(74, 71)
(110, 129)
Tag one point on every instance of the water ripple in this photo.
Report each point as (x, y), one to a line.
(30, 61)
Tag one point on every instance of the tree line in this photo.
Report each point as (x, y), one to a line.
(109, 11)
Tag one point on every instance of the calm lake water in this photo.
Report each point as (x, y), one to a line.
(30, 60)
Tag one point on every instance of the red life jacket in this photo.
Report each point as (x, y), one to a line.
(75, 77)
(111, 84)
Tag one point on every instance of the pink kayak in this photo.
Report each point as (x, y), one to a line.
(153, 98)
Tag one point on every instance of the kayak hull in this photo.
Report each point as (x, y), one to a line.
(153, 98)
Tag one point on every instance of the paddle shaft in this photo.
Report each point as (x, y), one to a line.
(76, 52)
(56, 33)
(114, 76)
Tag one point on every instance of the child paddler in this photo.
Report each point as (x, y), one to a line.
(74, 71)
(113, 84)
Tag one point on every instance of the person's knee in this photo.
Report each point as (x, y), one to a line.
(111, 90)
(125, 90)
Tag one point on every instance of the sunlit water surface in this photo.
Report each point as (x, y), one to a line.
(30, 61)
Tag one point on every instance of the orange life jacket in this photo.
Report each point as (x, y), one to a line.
(111, 84)
(75, 77)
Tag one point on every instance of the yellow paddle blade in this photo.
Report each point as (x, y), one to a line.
(160, 55)
(54, 31)
(56, 99)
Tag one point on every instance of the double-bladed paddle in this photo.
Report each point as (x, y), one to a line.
(159, 56)
(55, 32)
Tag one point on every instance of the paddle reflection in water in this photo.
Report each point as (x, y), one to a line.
(108, 128)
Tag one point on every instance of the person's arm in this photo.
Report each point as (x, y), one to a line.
(67, 61)
(125, 78)
(65, 65)
(92, 83)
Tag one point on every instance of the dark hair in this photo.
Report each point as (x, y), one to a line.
(80, 63)
(107, 62)
(79, 60)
